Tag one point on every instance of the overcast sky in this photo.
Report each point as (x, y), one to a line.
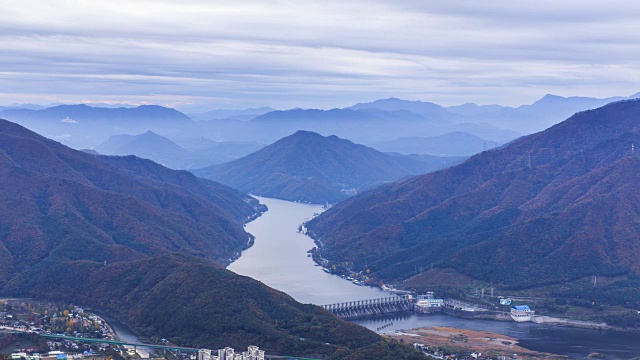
(316, 53)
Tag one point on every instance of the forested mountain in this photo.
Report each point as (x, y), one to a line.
(312, 168)
(55, 199)
(137, 240)
(451, 144)
(194, 302)
(548, 208)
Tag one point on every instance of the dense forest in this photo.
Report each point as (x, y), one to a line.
(195, 303)
(548, 208)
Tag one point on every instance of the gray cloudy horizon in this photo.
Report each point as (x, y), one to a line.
(315, 54)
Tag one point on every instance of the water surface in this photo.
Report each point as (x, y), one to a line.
(279, 258)
(572, 342)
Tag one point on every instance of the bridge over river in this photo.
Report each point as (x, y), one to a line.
(354, 309)
(154, 346)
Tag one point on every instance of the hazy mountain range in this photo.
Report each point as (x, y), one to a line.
(385, 120)
(552, 207)
(140, 241)
(201, 152)
(82, 126)
(312, 168)
(366, 126)
(218, 114)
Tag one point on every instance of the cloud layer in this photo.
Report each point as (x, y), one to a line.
(316, 53)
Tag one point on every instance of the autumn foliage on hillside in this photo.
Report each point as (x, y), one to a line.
(548, 208)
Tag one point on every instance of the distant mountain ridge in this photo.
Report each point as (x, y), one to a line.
(84, 126)
(543, 113)
(312, 168)
(548, 111)
(384, 120)
(549, 208)
(394, 104)
(121, 116)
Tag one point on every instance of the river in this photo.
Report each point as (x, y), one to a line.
(279, 259)
(124, 333)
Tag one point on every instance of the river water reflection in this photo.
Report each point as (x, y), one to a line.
(279, 259)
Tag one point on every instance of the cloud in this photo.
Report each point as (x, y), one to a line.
(68, 120)
(310, 53)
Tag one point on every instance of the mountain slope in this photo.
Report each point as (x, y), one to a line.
(135, 239)
(116, 207)
(194, 303)
(308, 167)
(550, 207)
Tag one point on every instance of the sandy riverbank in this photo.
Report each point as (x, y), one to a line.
(461, 340)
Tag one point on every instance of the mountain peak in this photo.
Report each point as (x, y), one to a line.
(305, 133)
(309, 167)
(149, 133)
(550, 98)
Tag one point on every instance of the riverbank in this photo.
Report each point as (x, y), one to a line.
(448, 340)
(123, 332)
(279, 258)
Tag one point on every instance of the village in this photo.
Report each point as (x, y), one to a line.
(23, 322)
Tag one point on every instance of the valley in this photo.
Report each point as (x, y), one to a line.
(319, 180)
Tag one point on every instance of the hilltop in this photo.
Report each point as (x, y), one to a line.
(312, 168)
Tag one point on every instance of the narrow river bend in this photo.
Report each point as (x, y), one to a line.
(279, 258)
